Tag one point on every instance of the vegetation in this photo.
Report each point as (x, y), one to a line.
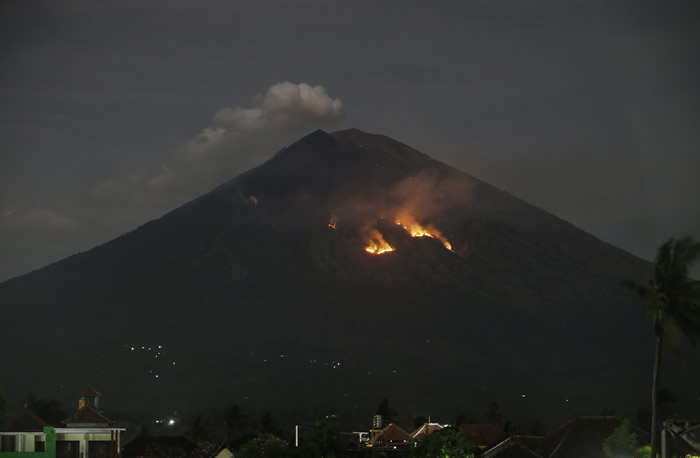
(49, 410)
(448, 442)
(321, 440)
(264, 446)
(388, 413)
(673, 301)
(622, 443)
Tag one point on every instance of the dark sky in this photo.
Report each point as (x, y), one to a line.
(113, 113)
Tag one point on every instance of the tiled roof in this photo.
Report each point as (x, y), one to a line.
(483, 435)
(24, 421)
(87, 415)
(683, 436)
(425, 429)
(582, 436)
(392, 433)
(516, 447)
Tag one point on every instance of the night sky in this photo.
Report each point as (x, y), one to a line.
(113, 113)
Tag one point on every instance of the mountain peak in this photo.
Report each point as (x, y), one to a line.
(277, 262)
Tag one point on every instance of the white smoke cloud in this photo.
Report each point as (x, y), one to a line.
(237, 139)
(283, 106)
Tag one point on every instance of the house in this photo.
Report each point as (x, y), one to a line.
(680, 437)
(87, 433)
(425, 430)
(23, 432)
(392, 436)
(583, 436)
(482, 435)
(516, 447)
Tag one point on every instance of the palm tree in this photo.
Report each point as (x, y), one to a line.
(673, 301)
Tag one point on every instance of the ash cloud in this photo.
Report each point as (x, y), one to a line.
(283, 106)
(237, 139)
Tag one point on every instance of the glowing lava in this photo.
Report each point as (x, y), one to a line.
(376, 243)
(416, 230)
(332, 224)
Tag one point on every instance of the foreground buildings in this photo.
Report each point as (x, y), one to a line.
(86, 434)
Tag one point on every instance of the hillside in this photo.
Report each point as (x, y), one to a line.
(262, 290)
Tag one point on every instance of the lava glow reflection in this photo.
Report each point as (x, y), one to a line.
(416, 230)
(376, 243)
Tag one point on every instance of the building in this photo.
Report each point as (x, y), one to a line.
(23, 432)
(87, 433)
(426, 429)
(483, 436)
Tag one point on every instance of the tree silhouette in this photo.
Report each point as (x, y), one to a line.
(388, 413)
(237, 426)
(268, 425)
(493, 414)
(673, 301)
(449, 442)
(49, 410)
(264, 446)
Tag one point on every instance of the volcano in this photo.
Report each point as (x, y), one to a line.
(267, 291)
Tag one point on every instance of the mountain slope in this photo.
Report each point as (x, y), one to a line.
(249, 291)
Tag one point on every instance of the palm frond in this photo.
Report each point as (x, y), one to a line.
(642, 291)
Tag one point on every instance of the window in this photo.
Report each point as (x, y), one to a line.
(7, 444)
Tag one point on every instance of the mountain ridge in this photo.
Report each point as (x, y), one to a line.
(257, 263)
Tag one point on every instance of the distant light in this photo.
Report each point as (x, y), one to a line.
(523, 395)
(156, 375)
(132, 348)
(160, 346)
(173, 363)
(171, 422)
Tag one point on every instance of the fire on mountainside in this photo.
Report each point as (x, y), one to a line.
(376, 243)
(416, 230)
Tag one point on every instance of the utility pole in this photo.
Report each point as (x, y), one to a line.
(296, 436)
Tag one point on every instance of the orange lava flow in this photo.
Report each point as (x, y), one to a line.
(376, 243)
(332, 224)
(416, 230)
